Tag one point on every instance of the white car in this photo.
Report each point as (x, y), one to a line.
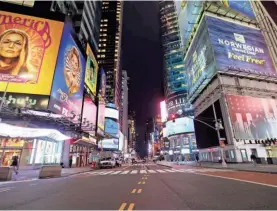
(107, 163)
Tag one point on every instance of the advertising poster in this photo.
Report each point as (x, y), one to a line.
(91, 71)
(28, 52)
(68, 85)
(101, 118)
(199, 62)
(243, 7)
(253, 118)
(109, 144)
(111, 128)
(89, 115)
(181, 125)
(121, 141)
(177, 104)
(111, 113)
(239, 46)
(102, 85)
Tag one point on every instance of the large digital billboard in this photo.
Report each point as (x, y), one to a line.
(89, 114)
(111, 128)
(121, 141)
(244, 7)
(91, 71)
(181, 125)
(253, 118)
(68, 84)
(102, 85)
(109, 144)
(220, 45)
(28, 52)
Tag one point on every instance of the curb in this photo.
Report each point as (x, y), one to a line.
(164, 165)
(67, 175)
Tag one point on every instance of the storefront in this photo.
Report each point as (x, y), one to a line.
(33, 146)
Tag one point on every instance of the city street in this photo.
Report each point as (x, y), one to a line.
(143, 187)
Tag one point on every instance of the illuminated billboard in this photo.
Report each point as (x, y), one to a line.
(181, 125)
(121, 141)
(101, 118)
(91, 71)
(109, 144)
(220, 45)
(68, 83)
(243, 7)
(111, 128)
(111, 113)
(164, 114)
(102, 85)
(28, 52)
(89, 115)
(252, 118)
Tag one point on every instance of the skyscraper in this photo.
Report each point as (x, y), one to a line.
(109, 56)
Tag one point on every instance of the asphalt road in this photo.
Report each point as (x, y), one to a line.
(162, 190)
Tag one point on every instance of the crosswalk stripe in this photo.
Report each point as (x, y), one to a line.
(134, 172)
(105, 173)
(169, 170)
(125, 172)
(151, 171)
(161, 171)
(143, 172)
(116, 172)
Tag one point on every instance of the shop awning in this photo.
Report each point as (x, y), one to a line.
(12, 131)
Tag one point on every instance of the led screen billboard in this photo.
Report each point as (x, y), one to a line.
(68, 84)
(109, 144)
(28, 52)
(111, 113)
(243, 7)
(181, 125)
(102, 85)
(111, 128)
(91, 71)
(101, 118)
(221, 45)
(121, 141)
(253, 118)
(89, 115)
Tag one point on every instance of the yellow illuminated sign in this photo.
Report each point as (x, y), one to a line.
(28, 52)
(91, 71)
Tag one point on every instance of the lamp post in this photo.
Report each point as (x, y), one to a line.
(4, 94)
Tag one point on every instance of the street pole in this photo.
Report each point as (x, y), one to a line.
(224, 164)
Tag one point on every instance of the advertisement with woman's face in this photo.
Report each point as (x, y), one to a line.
(28, 52)
(68, 85)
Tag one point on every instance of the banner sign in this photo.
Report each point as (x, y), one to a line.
(91, 71)
(68, 85)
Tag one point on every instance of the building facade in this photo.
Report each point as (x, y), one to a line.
(109, 56)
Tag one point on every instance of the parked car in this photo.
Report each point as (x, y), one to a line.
(107, 162)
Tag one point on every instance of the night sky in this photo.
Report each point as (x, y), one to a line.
(143, 59)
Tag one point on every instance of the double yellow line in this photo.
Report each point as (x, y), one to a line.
(136, 191)
(123, 205)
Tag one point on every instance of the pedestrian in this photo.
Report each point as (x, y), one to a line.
(254, 159)
(70, 161)
(197, 160)
(15, 164)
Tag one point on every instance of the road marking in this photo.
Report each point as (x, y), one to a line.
(123, 205)
(144, 178)
(131, 206)
(134, 190)
(143, 172)
(151, 171)
(116, 172)
(139, 190)
(125, 172)
(134, 172)
(240, 180)
(169, 170)
(143, 183)
(105, 172)
(5, 189)
(139, 183)
(161, 171)
(33, 184)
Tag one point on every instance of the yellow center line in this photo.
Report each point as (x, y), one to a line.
(143, 183)
(139, 183)
(134, 190)
(131, 206)
(122, 207)
(139, 190)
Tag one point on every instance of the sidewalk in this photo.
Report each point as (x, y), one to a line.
(27, 174)
(240, 166)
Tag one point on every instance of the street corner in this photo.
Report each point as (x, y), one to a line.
(253, 177)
